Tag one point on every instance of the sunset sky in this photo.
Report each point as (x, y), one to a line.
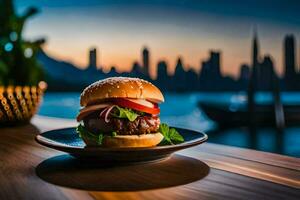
(169, 28)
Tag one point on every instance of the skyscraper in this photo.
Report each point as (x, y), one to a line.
(255, 74)
(179, 77)
(162, 75)
(210, 72)
(255, 51)
(145, 55)
(215, 63)
(253, 78)
(211, 67)
(289, 56)
(93, 57)
(267, 73)
(162, 70)
(245, 72)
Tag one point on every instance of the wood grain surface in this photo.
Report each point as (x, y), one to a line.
(209, 171)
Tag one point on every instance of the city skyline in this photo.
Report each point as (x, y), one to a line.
(208, 78)
(169, 28)
(290, 64)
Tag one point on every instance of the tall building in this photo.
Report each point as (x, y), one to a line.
(162, 75)
(245, 72)
(255, 51)
(179, 77)
(262, 74)
(255, 74)
(267, 73)
(93, 57)
(136, 68)
(289, 56)
(215, 63)
(210, 73)
(145, 55)
(179, 71)
(162, 70)
(211, 67)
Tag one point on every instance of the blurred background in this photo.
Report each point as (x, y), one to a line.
(228, 68)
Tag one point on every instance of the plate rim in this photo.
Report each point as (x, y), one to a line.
(67, 148)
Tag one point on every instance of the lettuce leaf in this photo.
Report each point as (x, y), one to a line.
(171, 135)
(85, 133)
(125, 113)
(114, 134)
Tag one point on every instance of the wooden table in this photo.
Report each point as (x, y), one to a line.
(209, 171)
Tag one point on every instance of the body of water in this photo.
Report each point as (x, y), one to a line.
(181, 110)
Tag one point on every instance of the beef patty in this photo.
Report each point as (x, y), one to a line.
(141, 125)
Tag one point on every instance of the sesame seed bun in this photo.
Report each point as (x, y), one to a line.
(123, 141)
(120, 87)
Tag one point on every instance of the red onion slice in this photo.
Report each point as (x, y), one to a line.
(102, 113)
(89, 109)
(106, 119)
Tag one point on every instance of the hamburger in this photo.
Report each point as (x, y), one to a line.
(120, 112)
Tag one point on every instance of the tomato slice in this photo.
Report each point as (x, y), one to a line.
(132, 103)
(143, 102)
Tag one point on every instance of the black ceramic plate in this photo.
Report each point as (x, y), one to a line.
(67, 140)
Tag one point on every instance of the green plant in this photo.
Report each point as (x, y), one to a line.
(18, 63)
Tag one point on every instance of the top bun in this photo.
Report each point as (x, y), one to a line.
(120, 87)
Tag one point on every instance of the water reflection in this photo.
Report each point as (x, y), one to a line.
(285, 141)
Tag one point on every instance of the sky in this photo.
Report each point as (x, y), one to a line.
(189, 29)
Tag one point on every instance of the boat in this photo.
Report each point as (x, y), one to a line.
(232, 114)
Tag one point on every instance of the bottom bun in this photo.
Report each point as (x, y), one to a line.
(121, 141)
